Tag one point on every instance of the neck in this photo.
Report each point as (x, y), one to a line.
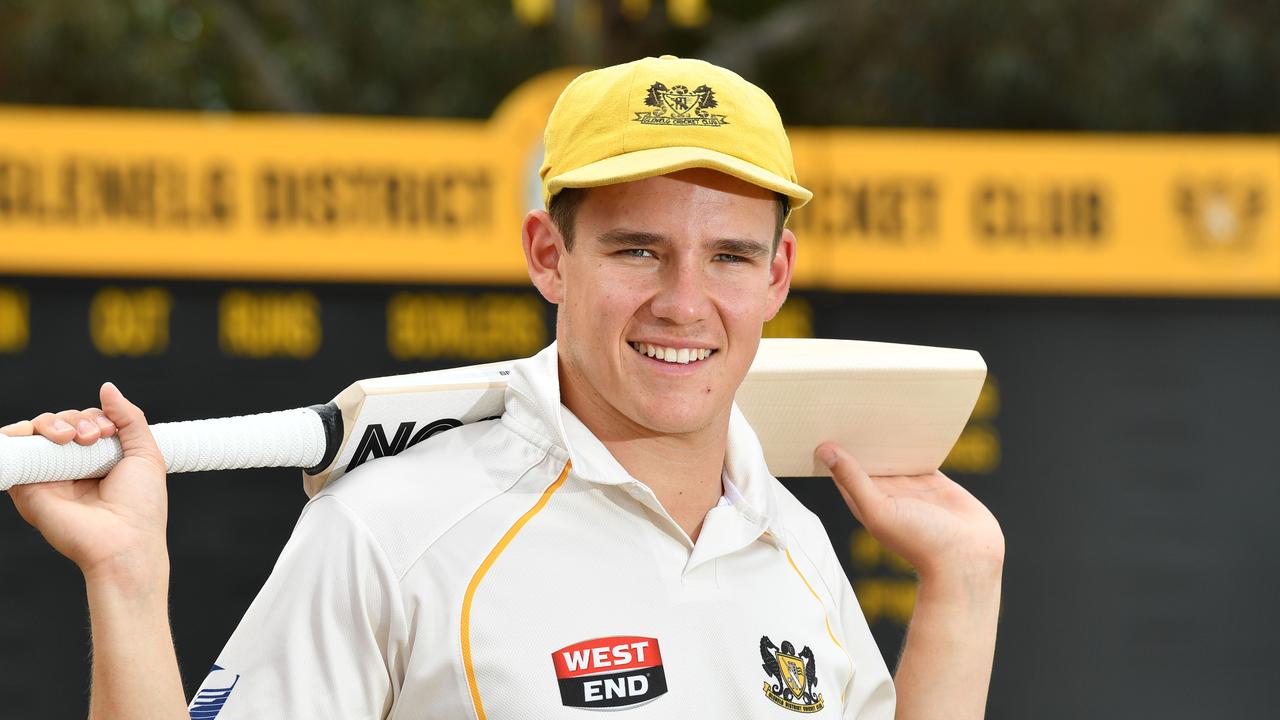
(683, 470)
(684, 473)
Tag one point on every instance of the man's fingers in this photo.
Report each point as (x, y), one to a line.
(87, 432)
(82, 426)
(105, 426)
(853, 507)
(856, 487)
(131, 425)
(53, 427)
(18, 429)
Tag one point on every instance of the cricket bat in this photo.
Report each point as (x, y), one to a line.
(898, 408)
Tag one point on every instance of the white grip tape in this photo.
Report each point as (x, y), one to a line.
(286, 438)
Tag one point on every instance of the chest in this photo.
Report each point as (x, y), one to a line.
(578, 613)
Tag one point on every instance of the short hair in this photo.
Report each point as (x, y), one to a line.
(564, 205)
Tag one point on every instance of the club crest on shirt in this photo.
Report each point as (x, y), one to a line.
(610, 673)
(678, 105)
(793, 677)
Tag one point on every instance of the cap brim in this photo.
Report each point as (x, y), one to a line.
(642, 164)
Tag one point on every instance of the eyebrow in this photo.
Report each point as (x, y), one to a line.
(623, 238)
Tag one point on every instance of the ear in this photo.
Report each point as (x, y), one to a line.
(784, 263)
(543, 248)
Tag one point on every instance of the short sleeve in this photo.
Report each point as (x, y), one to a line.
(323, 638)
(870, 694)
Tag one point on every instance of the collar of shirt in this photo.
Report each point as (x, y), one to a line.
(748, 507)
(729, 494)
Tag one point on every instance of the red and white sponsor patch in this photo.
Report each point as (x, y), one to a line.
(610, 672)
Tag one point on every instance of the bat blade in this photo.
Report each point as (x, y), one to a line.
(898, 408)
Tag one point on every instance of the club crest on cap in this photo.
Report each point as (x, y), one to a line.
(680, 106)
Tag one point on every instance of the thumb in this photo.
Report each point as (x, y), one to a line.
(131, 426)
(857, 488)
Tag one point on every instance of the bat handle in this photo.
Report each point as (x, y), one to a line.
(286, 438)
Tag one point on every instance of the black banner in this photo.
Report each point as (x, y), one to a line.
(1128, 448)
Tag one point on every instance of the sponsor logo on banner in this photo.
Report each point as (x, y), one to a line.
(213, 693)
(1220, 215)
(793, 677)
(610, 672)
(680, 106)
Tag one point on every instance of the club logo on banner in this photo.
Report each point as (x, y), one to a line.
(1219, 214)
(793, 677)
(610, 672)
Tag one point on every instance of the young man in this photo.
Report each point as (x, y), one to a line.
(615, 540)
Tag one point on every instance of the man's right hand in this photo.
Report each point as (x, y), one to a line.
(113, 528)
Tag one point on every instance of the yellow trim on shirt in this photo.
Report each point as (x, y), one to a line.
(825, 619)
(479, 575)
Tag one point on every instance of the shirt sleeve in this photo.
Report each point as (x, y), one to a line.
(323, 636)
(870, 694)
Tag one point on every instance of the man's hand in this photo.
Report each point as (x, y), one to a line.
(957, 548)
(929, 520)
(114, 530)
(113, 525)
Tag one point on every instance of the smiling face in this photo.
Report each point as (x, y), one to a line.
(662, 298)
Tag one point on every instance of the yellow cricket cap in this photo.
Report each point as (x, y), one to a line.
(659, 115)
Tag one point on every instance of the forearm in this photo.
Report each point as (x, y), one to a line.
(135, 669)
(946, 665)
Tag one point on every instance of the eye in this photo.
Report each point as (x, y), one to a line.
(730, 258)
(637, 252)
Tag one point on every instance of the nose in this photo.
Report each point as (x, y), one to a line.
(682, 297)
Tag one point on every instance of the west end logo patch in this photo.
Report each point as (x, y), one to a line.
(793, 676)
(678, 105)
(610, 672)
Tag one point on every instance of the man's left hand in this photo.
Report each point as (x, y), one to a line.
(929, 520)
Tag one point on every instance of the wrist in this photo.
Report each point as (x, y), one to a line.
(968, 581)
(132, 575)
(977, 560)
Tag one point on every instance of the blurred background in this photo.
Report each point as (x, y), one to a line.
(228, 207)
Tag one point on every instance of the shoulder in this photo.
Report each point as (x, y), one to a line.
(800, 523)
(808, 539)
(408, 501)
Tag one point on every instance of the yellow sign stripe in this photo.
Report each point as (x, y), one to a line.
(481, 571)
(1035, 213)
(168, 194)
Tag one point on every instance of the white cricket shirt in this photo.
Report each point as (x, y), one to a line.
(513, 569)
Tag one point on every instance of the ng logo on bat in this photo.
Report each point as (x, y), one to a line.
(610, 672)
(374, 442)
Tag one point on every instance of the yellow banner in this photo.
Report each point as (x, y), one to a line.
(146, 194)
(123, 193)
(1036, 213)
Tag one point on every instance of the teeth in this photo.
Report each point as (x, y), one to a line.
(684, 356)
